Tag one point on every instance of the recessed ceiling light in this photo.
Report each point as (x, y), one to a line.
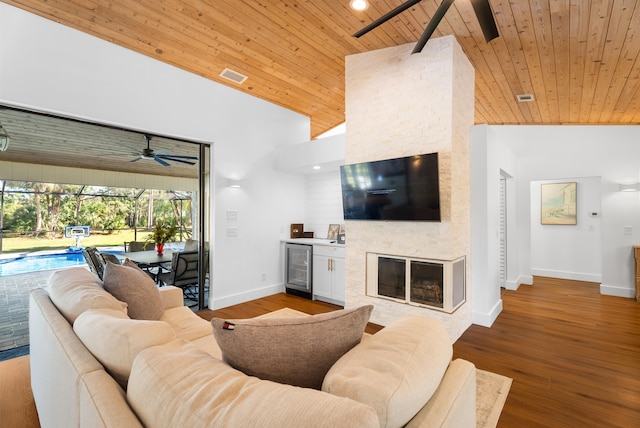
(523, 98)
(317, 167)
(359, 4)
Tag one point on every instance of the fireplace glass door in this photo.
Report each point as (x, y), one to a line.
(392, 277)
(427, 283)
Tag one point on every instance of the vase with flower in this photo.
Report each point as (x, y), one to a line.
(161, 234)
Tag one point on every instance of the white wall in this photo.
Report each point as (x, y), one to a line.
(323, 202)
(52, 68)
(323, 191)
(266, 203)
(490, 160)
(599, 157)
(568, 251)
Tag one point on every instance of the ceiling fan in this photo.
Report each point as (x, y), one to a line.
(159, 156)
(482, 9)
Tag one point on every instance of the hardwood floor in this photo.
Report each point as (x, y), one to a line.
(573, 354)
(17, 408)
(273, 303)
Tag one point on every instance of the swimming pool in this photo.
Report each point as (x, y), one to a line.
(37, 262)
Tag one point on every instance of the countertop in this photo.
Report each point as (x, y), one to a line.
(314, 241)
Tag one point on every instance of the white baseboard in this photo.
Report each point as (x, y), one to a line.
(610, 290)
(522, 279)
(576, 276)
(487, 319)
(216, 302)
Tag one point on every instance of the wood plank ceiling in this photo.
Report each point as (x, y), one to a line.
(578, 58)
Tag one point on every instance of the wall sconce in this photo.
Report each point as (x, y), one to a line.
(235, 184)
(4, 139)
(630, 187)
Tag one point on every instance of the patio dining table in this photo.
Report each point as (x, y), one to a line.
(149, 258)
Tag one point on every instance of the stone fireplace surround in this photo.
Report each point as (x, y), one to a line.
(433, 284)
(398, 104)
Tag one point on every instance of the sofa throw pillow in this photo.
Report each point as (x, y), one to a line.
(395, 371)
(115, 340)
(75, 290)
(130, 284)
(295, 350)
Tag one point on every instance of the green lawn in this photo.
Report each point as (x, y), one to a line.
(97, 239)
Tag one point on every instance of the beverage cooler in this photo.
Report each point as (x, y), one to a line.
(298, 269)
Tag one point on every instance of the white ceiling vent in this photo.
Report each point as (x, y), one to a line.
(523, 98)
(234, 76)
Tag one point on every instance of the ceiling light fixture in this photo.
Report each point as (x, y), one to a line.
(359, 4)
(4, 139)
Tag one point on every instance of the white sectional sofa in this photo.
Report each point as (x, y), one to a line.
(92, 365)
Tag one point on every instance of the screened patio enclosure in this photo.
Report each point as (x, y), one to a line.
(35, 208)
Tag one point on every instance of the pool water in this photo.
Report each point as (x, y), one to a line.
(33, 263)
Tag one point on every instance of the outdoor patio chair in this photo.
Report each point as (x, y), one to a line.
(138, 246)
(184, 273)
(94, 260)
(89, 261)
(107, 257)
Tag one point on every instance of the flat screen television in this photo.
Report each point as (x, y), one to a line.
(401, 189)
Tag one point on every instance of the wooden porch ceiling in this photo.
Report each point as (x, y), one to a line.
(48, 140)
(579, 59)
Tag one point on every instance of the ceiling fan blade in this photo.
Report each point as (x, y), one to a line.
(135, 160)
(387, 16)
(179, 156)
(176, 159)
(161, 162)
(485, 18)
(431, 26)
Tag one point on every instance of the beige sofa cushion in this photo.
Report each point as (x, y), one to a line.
(103, 403)
(75, 290)
(296, 350)
(185, 323)
(171, 296)
(454, 402)
(115, 340)
(206, 392)
(395, 371)
(130, 284)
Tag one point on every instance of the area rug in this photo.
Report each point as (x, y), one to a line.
(491, 393)
(491, 388)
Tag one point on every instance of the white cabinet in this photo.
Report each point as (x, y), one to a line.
(328, 274)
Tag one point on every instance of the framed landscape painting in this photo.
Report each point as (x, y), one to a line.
(558, 203)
